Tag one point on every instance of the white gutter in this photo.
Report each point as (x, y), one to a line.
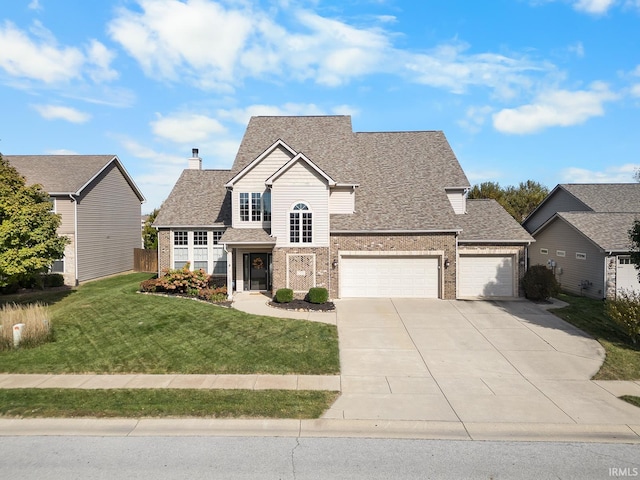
(75, 236)
(385, 232)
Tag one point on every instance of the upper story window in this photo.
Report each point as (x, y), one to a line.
(255, 207)
(217, 235)
(300, 224)
(200, 238)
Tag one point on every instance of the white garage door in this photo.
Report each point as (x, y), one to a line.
(485, 276)
(627, 275)
(389, 277)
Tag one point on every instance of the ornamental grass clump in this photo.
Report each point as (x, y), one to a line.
(624, 310)
(37, 325)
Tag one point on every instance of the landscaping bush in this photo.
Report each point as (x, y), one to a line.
(37, 326)
(149, 286)
(182, 281)
(214, 295)
(539, 283)
(50, 280)
(284, 295)
(625, 312)
(318, 295)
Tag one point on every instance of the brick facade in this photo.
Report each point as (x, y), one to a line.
(164, 250)
(297, 260)
(441, 244)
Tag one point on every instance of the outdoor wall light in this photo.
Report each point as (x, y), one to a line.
(334, 264)
(446, 263)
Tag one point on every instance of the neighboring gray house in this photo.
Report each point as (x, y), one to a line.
(100, 208)
(308, 202)
(581, 233)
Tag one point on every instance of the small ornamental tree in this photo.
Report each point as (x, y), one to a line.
(29, 242)
(149, 233)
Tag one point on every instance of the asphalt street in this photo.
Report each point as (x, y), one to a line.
(57, 458)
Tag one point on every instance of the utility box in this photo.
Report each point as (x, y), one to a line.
(17, 333)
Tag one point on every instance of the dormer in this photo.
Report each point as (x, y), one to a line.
(458, 199)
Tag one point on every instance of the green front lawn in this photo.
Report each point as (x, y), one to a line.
(34, 402)
(106, 327)
(623, 359)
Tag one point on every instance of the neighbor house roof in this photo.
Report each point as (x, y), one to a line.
(199, 198)
(487, 221)
(66, 174)
(606, 197)
(608, 231)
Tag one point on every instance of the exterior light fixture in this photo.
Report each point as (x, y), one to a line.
(334, 264)
(446, 263)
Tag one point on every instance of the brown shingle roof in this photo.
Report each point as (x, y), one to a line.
(486, 220)
(59, 173)
(199, 198)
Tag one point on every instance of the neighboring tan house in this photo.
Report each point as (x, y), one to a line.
(581, 233)
(100, 208)
(310, 203)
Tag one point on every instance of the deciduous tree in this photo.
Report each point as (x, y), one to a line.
(519, 201)
(150, 234)
(29, 242)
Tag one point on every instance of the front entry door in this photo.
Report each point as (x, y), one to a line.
(257, 268)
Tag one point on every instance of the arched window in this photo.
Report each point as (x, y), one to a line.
(300, 224)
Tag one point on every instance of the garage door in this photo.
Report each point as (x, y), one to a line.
(389, 277)
(627, 275)
(485, 276)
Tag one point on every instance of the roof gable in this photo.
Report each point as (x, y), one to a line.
(302, 159)
(244, 171)
(67, 174)
(607, 197)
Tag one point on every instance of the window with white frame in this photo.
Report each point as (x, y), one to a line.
(300, 224)
(624, 260)
(244, 206)
(255, 207)
(581, 256)
(200, 251)
(217, 235)
(219, 261)
(266, 206)
(560, 253)
(180, 249)
(544, 251)
(57, 266)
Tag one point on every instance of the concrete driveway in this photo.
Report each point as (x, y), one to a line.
(469, 361)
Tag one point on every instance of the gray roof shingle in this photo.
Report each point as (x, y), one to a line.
(199, 198)
(486, 220)
(607, 230)
(247, 235)
(59, 173)
(606, 197)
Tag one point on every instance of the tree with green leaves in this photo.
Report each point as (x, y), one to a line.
(29, 242)
(519, 201)
(634, 236)
(149, 233)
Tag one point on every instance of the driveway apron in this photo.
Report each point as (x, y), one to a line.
(469, 361)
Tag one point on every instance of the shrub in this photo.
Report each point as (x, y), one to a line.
(625, 312)
(182, 280)
(318, 295)
(37, 325)
(539, 283)
(149, 286)
(50, 280)
(214, 295)
(284, 295)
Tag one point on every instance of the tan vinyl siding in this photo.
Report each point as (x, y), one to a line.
(300, 184)
(66, 209)
(253, 182)
(108, 226)
(561, 201)
(342, 200)
(570, 272)
(457, 200)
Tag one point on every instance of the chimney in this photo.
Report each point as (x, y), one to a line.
(195, 162)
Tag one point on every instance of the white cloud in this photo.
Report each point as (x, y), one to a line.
(100, 58)
(21, 56)
(594, 7)
(34, 5)
(635, 90)
(615, 174)
(475, 118)
(578, 49)
(58, 112)
(186, 127)
(557, 108)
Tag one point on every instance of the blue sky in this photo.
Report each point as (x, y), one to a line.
(544, 90)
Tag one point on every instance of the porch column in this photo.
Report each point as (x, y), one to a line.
(229, 273)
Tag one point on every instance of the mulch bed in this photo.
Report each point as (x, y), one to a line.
(304, 306)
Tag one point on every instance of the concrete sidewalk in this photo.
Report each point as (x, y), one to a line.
(411, 368)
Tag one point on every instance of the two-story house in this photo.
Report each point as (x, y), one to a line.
(99, 204)
(308, 202)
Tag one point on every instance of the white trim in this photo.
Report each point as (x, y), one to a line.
(288, 269)
(299, 157)
(262, 156)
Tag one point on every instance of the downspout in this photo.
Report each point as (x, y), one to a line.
(229, 272)
(457, 256)
(75, 236)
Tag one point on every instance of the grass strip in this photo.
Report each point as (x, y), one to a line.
(631, 399)
(622, 360)
(106, 327)
(137, 403)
